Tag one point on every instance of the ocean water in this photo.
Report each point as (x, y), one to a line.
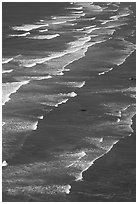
(60, 59)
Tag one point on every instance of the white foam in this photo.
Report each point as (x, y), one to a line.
(41, 117)
(79, 29)
(9, 88)
(54, 17)
(42, 31)
(28, 27)
(7, 71)
(59, 22)
(96, 7)
(5, 60)
(79, 84)
(102, 73)
(116, 17)
(4, 163)
(85, 165)
(59, 103)
(3, 123)
(58, 73)
(77, 12)
(101, 140)
(67, 189)
(43, 37)
(33, 62)
(39, 77)
(76, 8)
(78, 155)
(72, 94)
(93, 18)
(89, 27)
(34, 126)
(19, 35)
(90, 30)
(80, 42)
(105, 21)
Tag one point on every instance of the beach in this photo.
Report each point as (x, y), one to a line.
(69, 123)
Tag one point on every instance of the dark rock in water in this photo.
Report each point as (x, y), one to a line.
(132, 78)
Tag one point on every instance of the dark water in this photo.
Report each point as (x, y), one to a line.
(57, 60)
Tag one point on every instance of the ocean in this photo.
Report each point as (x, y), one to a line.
(68, 94)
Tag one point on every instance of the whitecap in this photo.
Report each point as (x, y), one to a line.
(54, 17)
(116, 17)
(93, 18)
(3, 123)
(76, 84)
(76, 8)
(34, 126)
(44, 37)
(41, 117)
(59, 22)
(77, 157)
(72, 94)
(4, 163)
(9, 88)
(19, 35)
(67, 189)
(80, 42)
(79, 29)
(45, 30)
(28, 27)
(38, 77)
(5, 60)
(77, 12)
(62, 101)
(7, 71)
(102, 73)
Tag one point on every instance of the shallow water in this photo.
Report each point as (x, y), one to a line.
(64, 103)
